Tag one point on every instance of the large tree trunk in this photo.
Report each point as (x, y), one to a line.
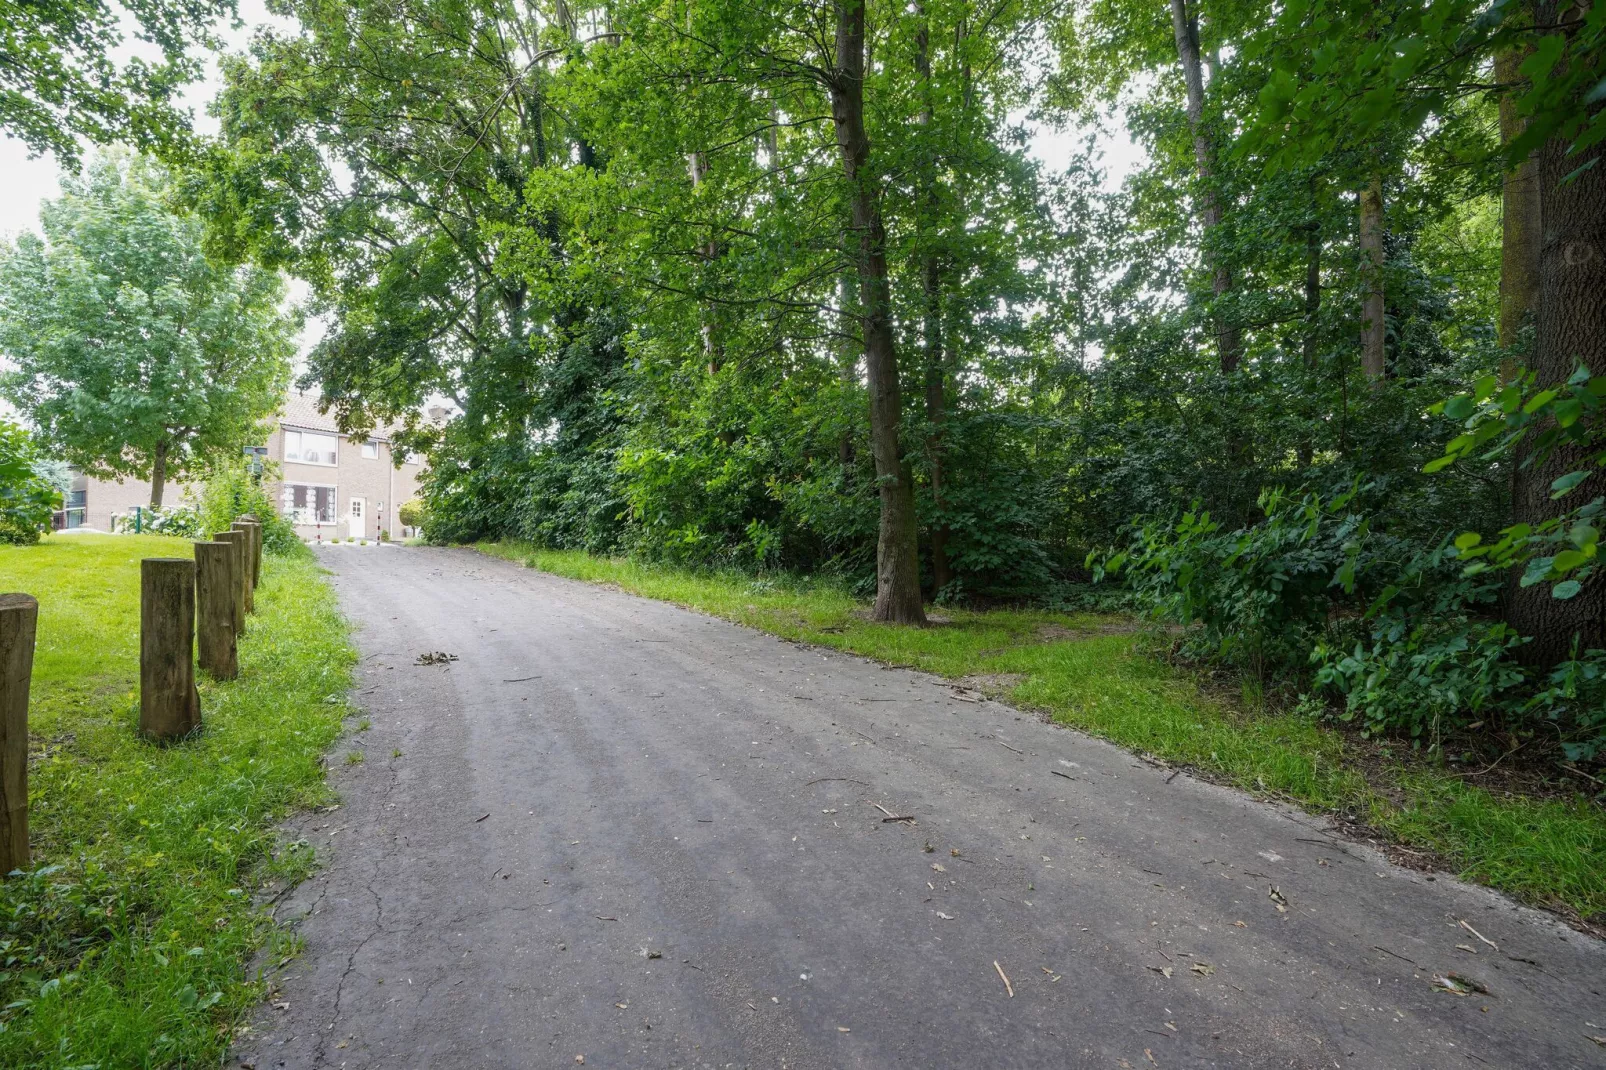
(1520, 223)
(897, 562)
(159, 473)
(1229, 340)
(1371, 241)
(1569, 329)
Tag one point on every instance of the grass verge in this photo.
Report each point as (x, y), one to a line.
(126, 944)
(1071, 666)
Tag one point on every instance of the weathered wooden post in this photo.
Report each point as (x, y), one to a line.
(256, 547)
(169, 707)
(215, 584)
(19, 620)
(249, 531)
(236, 541)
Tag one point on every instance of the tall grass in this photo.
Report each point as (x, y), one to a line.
(127, 943)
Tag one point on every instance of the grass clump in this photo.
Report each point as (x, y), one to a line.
(1084, 671)
(125, 945)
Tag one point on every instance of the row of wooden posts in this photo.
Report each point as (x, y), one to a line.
(180, 601)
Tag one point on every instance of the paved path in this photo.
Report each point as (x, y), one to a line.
(628, 832)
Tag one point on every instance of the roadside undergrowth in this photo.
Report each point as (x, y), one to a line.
(127, 943)
(1085, 671)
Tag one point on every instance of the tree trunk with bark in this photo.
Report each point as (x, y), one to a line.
(897, 561)
(158, 473)
(1229, 340)
(1519, 214)
(1569, 330)
(1372, 318)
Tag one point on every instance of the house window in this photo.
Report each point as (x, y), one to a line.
(309, 447)
(370, 449)
(309, 504)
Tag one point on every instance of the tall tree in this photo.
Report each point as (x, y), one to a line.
(59, 80)
(1185, 26)
(1569, 332)
(897, 554)
(134, 354)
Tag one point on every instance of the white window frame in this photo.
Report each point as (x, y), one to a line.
(307, 516)
(300, 441)
(370, 449)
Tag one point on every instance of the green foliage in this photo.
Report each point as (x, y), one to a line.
(1563, 550)
(131, 350)
(27, 494)
(59, 80)
(182, 522)
(1404, 639)
(124, 944)
(232, 490)
(411, 512)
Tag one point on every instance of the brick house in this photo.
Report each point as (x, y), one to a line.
(331, 485)
(334, 486)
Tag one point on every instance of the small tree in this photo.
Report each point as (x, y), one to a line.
(135, 355)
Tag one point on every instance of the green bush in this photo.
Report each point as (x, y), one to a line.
(27, 495)
(182, 521)
(232, 490)
(1405, 643)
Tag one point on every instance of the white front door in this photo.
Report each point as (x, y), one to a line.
(359, 506)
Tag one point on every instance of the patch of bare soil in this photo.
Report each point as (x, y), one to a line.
(990, 684)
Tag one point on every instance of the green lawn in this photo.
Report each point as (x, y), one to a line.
(1083, 671)
(127, 944)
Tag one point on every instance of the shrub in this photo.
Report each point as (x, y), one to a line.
(1408, 643)
(27, 495)
(232, 490)
(181, 521)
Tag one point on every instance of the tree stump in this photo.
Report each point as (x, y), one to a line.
(169, 707)
(236, 540)
(250, 530)
(256, 547)
(19, 619)
(252, 558)
(215, 584)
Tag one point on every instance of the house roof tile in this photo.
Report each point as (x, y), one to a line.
(301, 410)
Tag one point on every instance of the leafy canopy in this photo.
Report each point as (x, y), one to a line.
(128, 344)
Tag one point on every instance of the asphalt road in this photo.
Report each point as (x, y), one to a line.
(623, 831)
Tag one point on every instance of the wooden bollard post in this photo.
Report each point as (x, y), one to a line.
(169, 706)
(19, 621)
(246, 585)
(215, 584)
(236, 541)
(256, 547)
